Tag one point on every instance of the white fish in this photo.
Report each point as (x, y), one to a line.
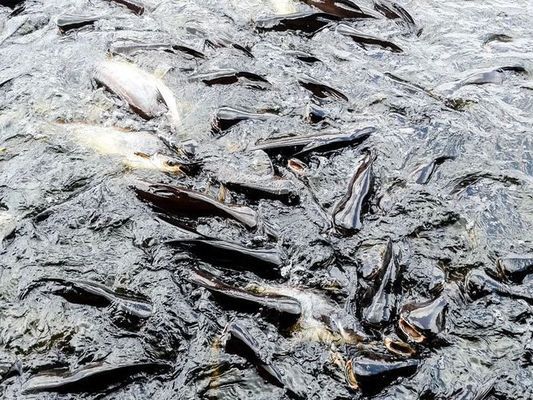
(138, 150)
(141, 90)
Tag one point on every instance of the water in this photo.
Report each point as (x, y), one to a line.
(68, 209)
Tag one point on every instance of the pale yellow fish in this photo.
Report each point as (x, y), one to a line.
(141, 90)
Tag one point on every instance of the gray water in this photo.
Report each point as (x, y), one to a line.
(68, 210)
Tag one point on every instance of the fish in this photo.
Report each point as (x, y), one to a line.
(314, 114)
(399, 347)
(420, 321)
(136, 87)
(515, 267)
(131, 49)
(229, 76)
(9, 369)
(133, 5)
(263, 262)
(275, 189)
(89, 378)
(307, 22)
(382, 308)
(295, 146)
(96, 294)
(321, 90)
(240, 341)
(363, 39)
(372, 375)
(182, 201)
(226, 117)
(341, 8)
(302, 56)
(425, 171)
(138, 150)
(347, 212)
(11, 3)
(221, 41)
(288, 308)
(479, 284)
(67, 23)
(493, 76)
(392, 10)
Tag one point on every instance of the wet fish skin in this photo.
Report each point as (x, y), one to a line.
(382, 308)
(139, 89)
(169, 48)
(341, 8)
(96, 294)
(347, 213)
(479, 284)
(90, 378)
(364, 39)
(425, 172)
(302, 145)
(136, 6)
(228, 76)
(226, 117)
(67, 23)
(393, 10)
(515, 267)
(178, 200)
(11, 3)
(285, 306)
(420, 321)
(241, 342)
(373, 375)
(263, 262)
(308, 22)
(275, 189)
(321, 90)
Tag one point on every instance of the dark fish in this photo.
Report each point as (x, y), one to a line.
(423, 320)
(382, 308)
(131, 49)
(285, 306)
(93, 293)
(276, 189)
(240, 341)
(347, 213)
(226, 117)
(300, 145)
(229, 76)
(10, 3)
(497, 37)
(515, 267)
(341, 8)
(9, 369)
(66, 23)
(133, 5)
(371, 375)
(479, 284)
(478, 391)
(305, 57)
(393, 10)
(307, 22)
(314, 114)
(425, 171)
(225, 42)
(321, 90)
(263, 262)
(181, 201)
(363, 39)
(90, 378)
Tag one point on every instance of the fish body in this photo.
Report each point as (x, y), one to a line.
(516, 267)
(136, 87)
(67, 23)
(347, 213)
(177, 200)
(364, 39)
(321, 90)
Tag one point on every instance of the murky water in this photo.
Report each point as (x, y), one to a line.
(377, 266)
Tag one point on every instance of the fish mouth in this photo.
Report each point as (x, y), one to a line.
(351, 380)
(399, 347)
(410, 331)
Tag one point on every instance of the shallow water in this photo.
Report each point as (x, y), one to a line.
(68, 209)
